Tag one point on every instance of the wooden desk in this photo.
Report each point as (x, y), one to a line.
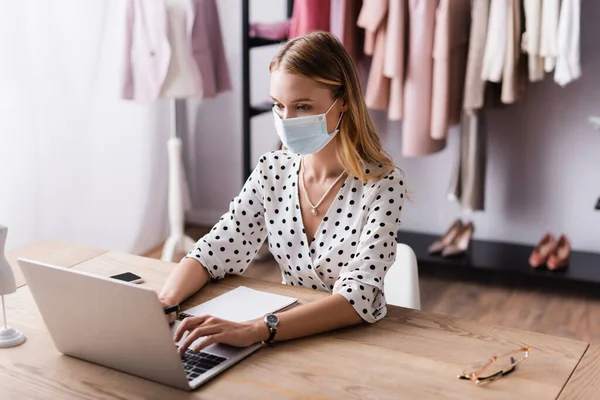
(53, 252)
(410, 354)
(585, 381)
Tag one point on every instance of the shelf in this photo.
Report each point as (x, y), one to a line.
(505, 261)
(260, 42)
(260, 108)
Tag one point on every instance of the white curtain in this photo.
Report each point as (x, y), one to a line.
(77, 163)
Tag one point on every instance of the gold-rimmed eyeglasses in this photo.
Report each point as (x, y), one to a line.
(495, 367)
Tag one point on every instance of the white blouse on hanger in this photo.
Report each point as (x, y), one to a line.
(568, 66)
(495, 44)
(531, 39)
(352, 249)
(549, 29)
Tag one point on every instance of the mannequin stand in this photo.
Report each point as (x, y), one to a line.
(177, 241)
(9, 337)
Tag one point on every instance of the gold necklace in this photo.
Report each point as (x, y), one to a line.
(314, 207)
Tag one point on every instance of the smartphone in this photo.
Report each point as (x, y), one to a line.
(128, 277)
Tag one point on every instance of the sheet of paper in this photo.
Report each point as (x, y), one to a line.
(242, 304)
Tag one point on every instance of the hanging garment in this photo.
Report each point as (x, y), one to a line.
(568, 66)
(531, 39)
(309, 16)
(372, 14)
(467, 185)
(416, 137)
(373, 19)
(450, 48)
(512, 74)
(395, 56)
(148, 51)
(183, 78)
(352, 38)
(336, 17)
(474, 85)
(495, 44)
(344, 14)
(549, 31)
(274, 30)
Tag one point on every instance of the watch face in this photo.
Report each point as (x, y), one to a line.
(272, 319)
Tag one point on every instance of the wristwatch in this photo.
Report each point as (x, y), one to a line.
(169, 310)
(271, 321)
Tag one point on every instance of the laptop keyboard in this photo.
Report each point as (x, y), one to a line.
(196, 364)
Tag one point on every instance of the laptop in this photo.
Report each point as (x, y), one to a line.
(120, 325)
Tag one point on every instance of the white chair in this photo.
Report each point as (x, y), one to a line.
(401, 284)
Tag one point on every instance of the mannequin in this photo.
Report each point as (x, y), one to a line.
(174, 50)
(182, 80)
(9, 337)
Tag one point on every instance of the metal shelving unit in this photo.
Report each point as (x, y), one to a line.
(248, 110)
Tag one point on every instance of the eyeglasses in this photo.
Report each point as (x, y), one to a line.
(495, 367)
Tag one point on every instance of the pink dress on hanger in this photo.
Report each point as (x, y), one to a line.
(418, 85)
(395, 56)
(344, 14)
(308, 16)
(373, 18)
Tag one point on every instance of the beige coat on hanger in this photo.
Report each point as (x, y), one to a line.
(511, 74)
(451, 44)
(474, 84)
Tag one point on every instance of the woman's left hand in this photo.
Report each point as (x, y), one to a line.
(216, 330)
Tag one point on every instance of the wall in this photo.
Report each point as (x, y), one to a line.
(543, 156)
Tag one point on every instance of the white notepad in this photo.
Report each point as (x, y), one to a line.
(242, 304)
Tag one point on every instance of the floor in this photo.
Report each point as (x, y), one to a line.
(560, 314)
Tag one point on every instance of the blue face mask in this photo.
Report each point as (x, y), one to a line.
(305, 135)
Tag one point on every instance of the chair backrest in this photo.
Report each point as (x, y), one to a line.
(401, 284)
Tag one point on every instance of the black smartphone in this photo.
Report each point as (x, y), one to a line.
(128, 277)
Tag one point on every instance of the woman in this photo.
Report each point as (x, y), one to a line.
(329, 203)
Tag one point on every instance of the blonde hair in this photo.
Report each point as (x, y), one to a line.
(320, 56)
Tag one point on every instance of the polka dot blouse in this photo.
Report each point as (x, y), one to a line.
(352, 249)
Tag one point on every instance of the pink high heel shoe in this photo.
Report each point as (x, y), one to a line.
(542, 250)
(559, 257)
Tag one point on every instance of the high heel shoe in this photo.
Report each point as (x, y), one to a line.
(559, 257)
(461, 242)
(542, 250)
(448, 237)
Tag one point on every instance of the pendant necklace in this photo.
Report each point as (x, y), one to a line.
(314, 207)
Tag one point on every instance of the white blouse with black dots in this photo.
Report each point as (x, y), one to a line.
(352, 248)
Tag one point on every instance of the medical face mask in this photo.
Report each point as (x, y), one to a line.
(305, 135)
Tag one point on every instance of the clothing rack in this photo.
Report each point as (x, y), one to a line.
(485, 260)
(248, 110)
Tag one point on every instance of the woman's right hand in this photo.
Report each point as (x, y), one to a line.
(171, 317)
